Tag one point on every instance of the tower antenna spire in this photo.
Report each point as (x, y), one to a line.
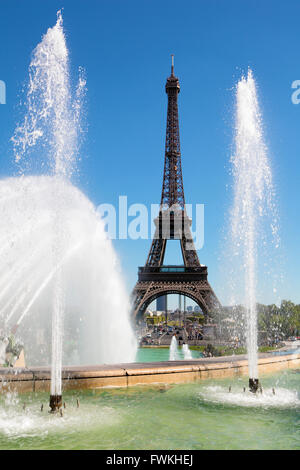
(172, 67)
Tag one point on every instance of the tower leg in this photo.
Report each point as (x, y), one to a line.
(166, 305)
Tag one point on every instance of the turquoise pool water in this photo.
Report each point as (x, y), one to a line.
(160, 354)
(287, 351)
(201, 415)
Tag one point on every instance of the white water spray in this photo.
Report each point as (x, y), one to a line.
(186, 352)
(253, 200)
(96, 319)
(174, 354)
(52, 121)
(56, 256)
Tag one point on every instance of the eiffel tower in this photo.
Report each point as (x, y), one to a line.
(155, 278)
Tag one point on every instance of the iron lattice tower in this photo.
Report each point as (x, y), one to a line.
(190, 279)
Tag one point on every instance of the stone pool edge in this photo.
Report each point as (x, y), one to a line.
(37, 379)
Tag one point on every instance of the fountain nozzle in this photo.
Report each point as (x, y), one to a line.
(55, 403)
(254, 385)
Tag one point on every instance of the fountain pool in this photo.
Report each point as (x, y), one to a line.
(191, 416)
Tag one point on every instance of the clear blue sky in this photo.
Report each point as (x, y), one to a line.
(125, 47)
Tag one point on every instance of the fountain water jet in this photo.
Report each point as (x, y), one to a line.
(186, 352)
(253, 199)
(51, 128)
(174, 356)
(52, 119)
